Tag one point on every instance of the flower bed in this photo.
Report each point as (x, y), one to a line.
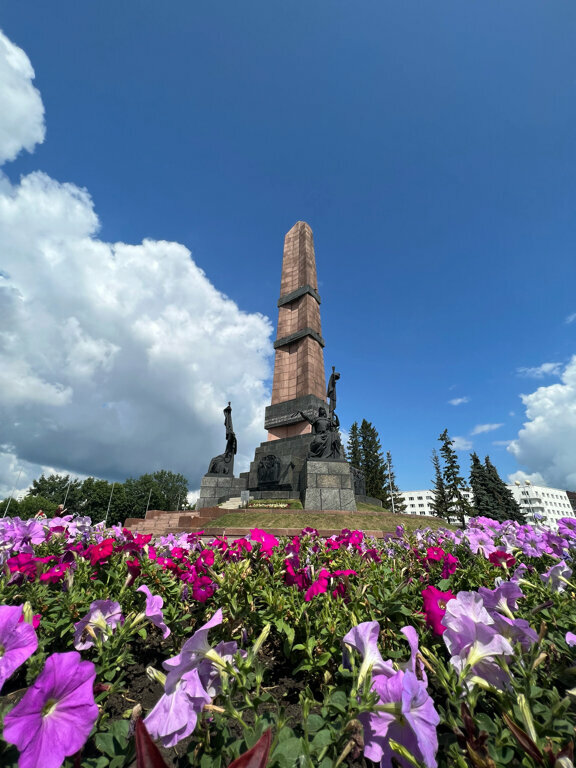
(449, 648)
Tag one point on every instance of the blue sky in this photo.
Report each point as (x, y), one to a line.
(430, 146)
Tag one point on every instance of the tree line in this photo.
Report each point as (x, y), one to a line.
(100, 499)
(492, 498)
(364, 452)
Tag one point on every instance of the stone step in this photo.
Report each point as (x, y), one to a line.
(234, 503)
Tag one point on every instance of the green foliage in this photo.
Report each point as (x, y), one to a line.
(160, 490)
(491, 496)
(453, 481)
(397, 502)
(61, 489)
(503, 497)
(354, 448)
(28, 507)
(372, 463)
(441, 503)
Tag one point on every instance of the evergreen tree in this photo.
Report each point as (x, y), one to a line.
(507, 506)
(354, 449)
(441, 503)
(373, 463)
(453, 480)
(399, 505)
(485, 502)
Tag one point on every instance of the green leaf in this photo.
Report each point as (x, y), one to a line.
(314, 723)
(321, 740)
(288, 753)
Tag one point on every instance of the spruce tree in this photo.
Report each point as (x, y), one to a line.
(373, 463)
(441, 503)
(453, 480)
(354, 448)
(485, 502)
(399, 505)
(508, 507)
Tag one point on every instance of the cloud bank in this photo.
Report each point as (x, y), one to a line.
(115, 359)
(546, 445)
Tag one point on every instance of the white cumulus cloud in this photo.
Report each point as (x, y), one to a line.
(481, 428)
(21, 108)
(540, 371)
(461, 443)
(115, 359)
(546, 444)
(459, 401)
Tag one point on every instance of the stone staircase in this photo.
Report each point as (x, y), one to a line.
(234, 503)
(160, 523)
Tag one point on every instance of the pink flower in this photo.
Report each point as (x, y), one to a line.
(203, 588)
(435, 554)
(54, 718)
(18, 640)
(98, 552)
(450, 565)
(501, 558)
(266, 540)
(319, 586)
(435, 607)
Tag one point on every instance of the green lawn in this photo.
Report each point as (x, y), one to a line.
(363, 520)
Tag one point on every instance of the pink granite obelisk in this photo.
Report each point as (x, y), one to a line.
(299, 379)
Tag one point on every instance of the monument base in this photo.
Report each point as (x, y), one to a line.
(216, 489)
(329, 485)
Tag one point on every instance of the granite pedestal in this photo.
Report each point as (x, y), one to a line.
(216, 489)
(329, 485)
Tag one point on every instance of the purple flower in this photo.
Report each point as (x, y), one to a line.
(473, 641)
(480, 541)
(197, 653)
(557, 576)
(153, 610)
(503, 599)
(175, 715)
(570, 638)
(56, 714)
(515, 630)
(405, 713)
(100, 621)
(364, 639)
(18, 640)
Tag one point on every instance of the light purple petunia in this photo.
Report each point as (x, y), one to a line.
(153, 610)
(364, 639)
(570, 639)
(411, 722)
(100, 622)
(56, 714)
(503, 599)
(18, 640)
(557, 576)
(480, 541)
(175, 715)
(472, 639)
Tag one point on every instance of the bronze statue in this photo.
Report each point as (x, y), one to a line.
(224, 463)
(326, 441)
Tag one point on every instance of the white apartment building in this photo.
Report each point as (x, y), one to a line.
(420, 502)
(537, 502)
(540, 503)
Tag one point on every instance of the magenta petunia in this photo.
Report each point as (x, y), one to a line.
(266, 540)
(435, 607)
(56, 714)
(18, 640)
(319, 587)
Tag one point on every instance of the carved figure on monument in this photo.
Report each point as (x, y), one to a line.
(359, 481)
(224, 463)
(268, 469)
(331, 391)
(326, 441)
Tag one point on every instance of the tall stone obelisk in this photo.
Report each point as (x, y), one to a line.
(284, 466)
(299, 382)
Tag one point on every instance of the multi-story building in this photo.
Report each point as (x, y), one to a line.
(537, 502)
(540, 503)
(420, 502)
